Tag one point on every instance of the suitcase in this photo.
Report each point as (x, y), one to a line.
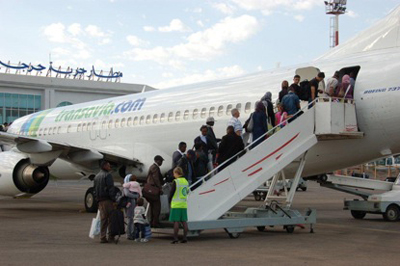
(117, 222)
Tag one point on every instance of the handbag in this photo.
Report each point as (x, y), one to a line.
(150, 192)
(249, 124)
(95, 227)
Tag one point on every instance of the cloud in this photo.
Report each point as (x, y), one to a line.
(135, 41)
(351, 14)
(201, 45)
(149, 28)
(75, 29)
(299, 18)
(267, 7)
(175, 25)
(55, 33)
(200, 23)
(95, 31)
(220, 73)
(224, 8)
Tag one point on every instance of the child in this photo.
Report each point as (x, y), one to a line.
(280, 116)
(178, 211)
(133, 191)
(140, 221)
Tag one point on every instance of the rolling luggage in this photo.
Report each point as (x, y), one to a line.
(117, 227)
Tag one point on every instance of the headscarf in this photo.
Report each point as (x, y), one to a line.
(260, 107)
(267, 97)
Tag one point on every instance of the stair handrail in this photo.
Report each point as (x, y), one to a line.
(206, 177)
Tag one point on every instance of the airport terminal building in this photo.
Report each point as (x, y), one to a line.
(22, 94)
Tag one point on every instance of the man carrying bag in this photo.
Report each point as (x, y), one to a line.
(153, 189)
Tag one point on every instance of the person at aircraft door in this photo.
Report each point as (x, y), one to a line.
(314, 86)
(178, 196)
(332, 85)
(103, 187)
(154, 178)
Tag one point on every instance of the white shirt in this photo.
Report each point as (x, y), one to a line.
(203, 138)
(331, 82)
(237, 125)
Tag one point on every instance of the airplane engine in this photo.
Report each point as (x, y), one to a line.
(19, 177)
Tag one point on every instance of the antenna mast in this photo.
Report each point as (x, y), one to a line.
(335, 8)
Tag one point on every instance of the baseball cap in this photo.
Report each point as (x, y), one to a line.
(158, 158)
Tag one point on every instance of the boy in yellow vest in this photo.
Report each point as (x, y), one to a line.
(178, 212)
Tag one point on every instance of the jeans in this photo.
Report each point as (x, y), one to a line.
(139, 228)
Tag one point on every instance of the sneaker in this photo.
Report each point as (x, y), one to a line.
(144, 240)
(137, 240)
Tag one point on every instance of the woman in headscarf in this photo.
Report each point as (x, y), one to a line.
(260, 126)
(269, 107)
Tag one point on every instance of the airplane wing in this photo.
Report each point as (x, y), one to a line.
(81, 155)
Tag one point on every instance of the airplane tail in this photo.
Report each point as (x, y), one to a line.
(384, 34)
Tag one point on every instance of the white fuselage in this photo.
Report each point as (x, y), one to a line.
(164, 118)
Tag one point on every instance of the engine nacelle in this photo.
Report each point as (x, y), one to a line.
(18, 177)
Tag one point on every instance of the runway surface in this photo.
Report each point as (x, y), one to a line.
(52, 229)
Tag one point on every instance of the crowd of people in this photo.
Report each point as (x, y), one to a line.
(190, 166)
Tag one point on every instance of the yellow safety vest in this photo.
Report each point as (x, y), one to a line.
(180, 195)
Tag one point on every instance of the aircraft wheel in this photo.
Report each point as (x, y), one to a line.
(232, 235)
(392, 213)
(304, 188)
(90, 201)
(261, 228)
(358, 214)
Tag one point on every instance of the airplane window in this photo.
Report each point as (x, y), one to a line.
(247, 107)
(186, 115)
(45, 132)
(162, 118)
(135, 121)
(110, 123)
(123, 121)
(203, 113)
(239, 106)
(40, 132)
(195, 113)
(84, 127)
(69, 130)
(148, 119)
(178, 116)
(220, 110)
(170, 116)
(117, 123)
(129, 124)
(141, 122)
(211, 112)
(50, 131)
(54, 130)
(88, 126)
(104, 125)
(59, 130)
(155, 117)
(93, 126)
(228, 109)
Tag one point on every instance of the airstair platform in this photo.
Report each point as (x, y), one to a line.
(220, 190)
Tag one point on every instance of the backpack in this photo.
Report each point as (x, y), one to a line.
(304, 90)
(121, 200)
(117, 224)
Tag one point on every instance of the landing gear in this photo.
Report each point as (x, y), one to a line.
(289, 228)
(231, 234)
(90, 201)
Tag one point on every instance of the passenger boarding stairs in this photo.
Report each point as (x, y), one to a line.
(221, 190)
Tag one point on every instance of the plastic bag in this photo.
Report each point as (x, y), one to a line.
(95, 227)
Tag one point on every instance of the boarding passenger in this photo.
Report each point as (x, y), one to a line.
(213, 144)
(314, 86)
(133, 191)
(201, 161)
(231, 144)
(269, 108)
(260, 125)
(178, 154)
(291, 104)
(186, 163)
(103, 187)
(140, 221)
(295, 86)
(345, 87)
(280, 116)
(178, 196)
(203, 139)
(350, 93)
(235, 122)
(284, 89)
(154, 178)
(332, 85)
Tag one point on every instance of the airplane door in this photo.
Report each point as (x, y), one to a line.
(103, 127)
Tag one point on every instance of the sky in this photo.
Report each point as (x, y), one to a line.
(165, 43)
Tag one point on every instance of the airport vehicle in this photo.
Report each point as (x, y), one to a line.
(129, 131)
(386, 203)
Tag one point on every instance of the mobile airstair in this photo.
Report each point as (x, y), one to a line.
(219, 191)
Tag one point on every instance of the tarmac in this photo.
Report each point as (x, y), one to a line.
(52, 229)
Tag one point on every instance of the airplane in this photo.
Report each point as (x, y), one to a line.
(68, 142)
